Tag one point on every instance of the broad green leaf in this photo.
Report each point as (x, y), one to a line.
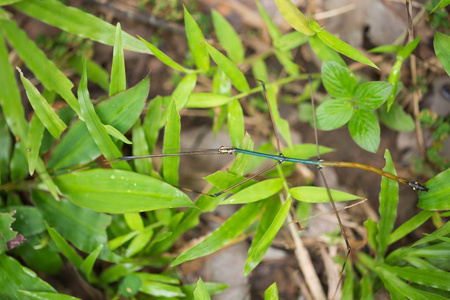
(397, 119)
(406, 50)
(76, 21)
(229, 68)
(324, 52)
(41, 107)
(344, 48)
(255, 257)
(371, 95)
(120, 111)
(271, 293)
(172, 130)
(6, 232)
(196, 42)
(206, 100)
(333, 114)
(10, 99)
(118, 191)
(441, 46)
(256, 192)
(294, 17)
(159, 289)
(184, 89)
(432, 278)
(200, 292)
(228, 38)
(274, 32)
(8, 2)
(130, 285)
(236, 125)
(365, 130)
(69, 252)
(338, 80)
(410, 225)
(221, 83)
(84, 228)
(28, 220)
(95, 126)
(259, 70)
(229, 230)
(118, 77)
(388, 206)
(44, 69)
(39, 257)
(313, 194)
(437, 196)
(46, 295)
(165, 59)
(87, 265)
(18, 163)
(16, 277)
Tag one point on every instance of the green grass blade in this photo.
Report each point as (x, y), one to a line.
(312, 194)
(274, 32)
(410, 225)
(196, 42)
(88, 263)
(236, 125)
(172, 131)
(271, 293)
(433, 278)
(43, 109)
(118, 77)
(440, 232)
(255, 257)
(344, 48)
(69, 252)
(229, 230)
(437, 196)
(206, 100)
(34, 142)
(394, 77)
(228, 38)
(117, 134)
(442, 46)
(324, 52)
(200, 292)
(44, 69)
(294, 17)
(281, 124)
(95, 126)
(229, 68)
(5, 149)
(76, 21)
(256, 192)
(104, 190)
(140, 147)
(388, 206)
(165, 59)
(95, 72)
(184, 89)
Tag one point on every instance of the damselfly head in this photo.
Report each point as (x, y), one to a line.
(417, 186)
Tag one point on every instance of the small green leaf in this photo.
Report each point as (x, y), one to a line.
(196, 41)
(433, 278)
(236, 123)
(259, 70)
(118, 78)
(159, 289)
(134, 221)
(228, 38)
(184, 89)
(138, 243)
(344, 48)
(44, 111)
(406, 50)
(271, 293)
(294, 17)
(172, 130)
(437, 196)
(291, 41)
(442, 46)
(441, 4)
(68, 251)
(286, 60)
(371, 95)
(338, 80)
(333, 114)
(372, 231)
(397, 119)
(95, 127)
(385, 49)
(410, 225)
(206, 100)
(117, 134)
(313, 194)
(229, 68)
(256, 192)
(388, 206)
(365, 130)
(394, 77)
(34, 142)
(230, 229)
(130, 285)
(257, 253)
(324, 52)
(105, 190)
(200, 293)
(165, 59)
(274, 32)
(281, 124)
(87, 265)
